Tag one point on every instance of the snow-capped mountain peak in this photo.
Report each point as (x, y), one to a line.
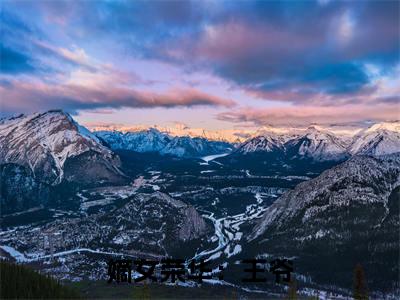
(320, 144)
(44, 141)
(264, 143)
(152, 140)
(312, 143)
(388, 126)
(379, 139)
(317, 144)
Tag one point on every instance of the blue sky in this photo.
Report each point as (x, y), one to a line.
(211, 64)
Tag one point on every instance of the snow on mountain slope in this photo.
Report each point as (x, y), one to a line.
(379, 139)
(322, 145)
(348, 214)
(313, 143)
(317, 144)
(266, 143)
(350, 182)
(152, 140)
(195, 147)
(43, 142)
(226, 135)
(234, 135)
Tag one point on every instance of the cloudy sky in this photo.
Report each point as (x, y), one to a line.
(211, 64)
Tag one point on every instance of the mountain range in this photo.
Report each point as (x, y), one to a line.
(48, 140)
(314, 142)
(46, 149)
(379, 139)
(152, 140)
(327, 201)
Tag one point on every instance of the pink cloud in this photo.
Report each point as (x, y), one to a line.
(305, 115)
(303, 94)
(237, 40)
(29, 96)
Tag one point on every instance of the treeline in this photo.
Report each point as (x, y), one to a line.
(21, 282)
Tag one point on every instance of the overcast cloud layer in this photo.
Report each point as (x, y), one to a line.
(226, 63)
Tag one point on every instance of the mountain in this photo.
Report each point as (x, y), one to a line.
(147, 224)
(152, 140)
(348, 214)
(40, 151)
(54, 147)
(318, 145)
(313, 143)
(379, 139)
(64, 209)
(195, 147)
(179, 129)
(299, 153)
(234, 135)
(266, 143)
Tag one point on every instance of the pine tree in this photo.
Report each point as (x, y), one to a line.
(292, 291)
(19, 281)
(359, 285)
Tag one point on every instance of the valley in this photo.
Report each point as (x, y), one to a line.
(269, 197)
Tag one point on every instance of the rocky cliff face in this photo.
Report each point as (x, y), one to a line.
(151, 224)
(19, 189)
(348, 214)
(45, 143)
(192, 225)
(40, 151)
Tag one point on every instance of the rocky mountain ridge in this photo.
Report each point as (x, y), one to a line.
(350, 212)
(152, 140)
(47, 143)
(379, 139)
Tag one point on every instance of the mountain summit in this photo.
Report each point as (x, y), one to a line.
(54, 147)
(317, 144)
(321, 145)
(379, 139)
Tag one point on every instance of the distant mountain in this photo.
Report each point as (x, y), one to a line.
(321, 145)
(267, 143)
(348, 214)
(179, 129)
(318, 145)
(379, 139)
(234, 135)
(152, 140)
(313, 143)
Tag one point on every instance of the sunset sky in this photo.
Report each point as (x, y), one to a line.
(209, 64)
